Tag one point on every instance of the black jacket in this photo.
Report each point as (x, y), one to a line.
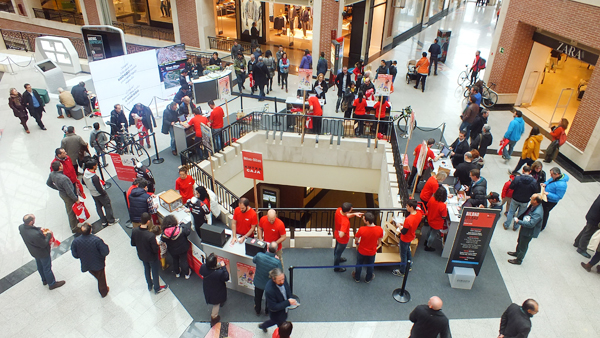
(181, 94)
(183, 109)
(593, 215)
(515, 323)
(481, 143)
(176, 239)
(539, 178)
(462, 172)
(429, 323)
(145, 173)
(36, 242)
(117, 119)
(199, 210)
(524, 186)
(459, 152)
(138, 204)
(477, 193)
(260, 74)
(364, 87)
(91, 251)
(477, 125)
(168, 117)
(145, 244)
(323, 86)
(321, 66)
(275, 301)
(435, 50)
(383, 70)
(147, 118)
(215, 289)
(28, 100)
(80, 95)
(339, 82)
(213, 62)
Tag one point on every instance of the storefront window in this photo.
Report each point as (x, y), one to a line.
(6, 6)
(406, 17)
(290, 25)
(377, 29)
(226, 18)
(65, 5)
(435, 7)
(146, 12)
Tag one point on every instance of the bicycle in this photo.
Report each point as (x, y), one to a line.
(403, 119)
(123, 143)
(465, 75)
(488, 96)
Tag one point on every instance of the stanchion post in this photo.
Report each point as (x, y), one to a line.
(157, 160)
(443, 130)
(401, 295)
(291, 269)
(87, 127)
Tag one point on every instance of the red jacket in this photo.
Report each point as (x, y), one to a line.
(68, 168)
(505, 191)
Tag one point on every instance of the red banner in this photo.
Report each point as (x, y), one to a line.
(124, 167)
(253, 165)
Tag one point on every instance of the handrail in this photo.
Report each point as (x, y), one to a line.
(225, 44)
(399, 167)
(145, 31)
(58, 15)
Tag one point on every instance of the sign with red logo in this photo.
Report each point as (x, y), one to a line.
(124, 166)
(253, 165)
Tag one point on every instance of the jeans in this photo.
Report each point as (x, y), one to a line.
(508, 150)
(218, 143)
(241, 77)
(101, 277)
(523, 161)
(258, 295)
(44, 266)
(69, 208)
(60, 107)
(432, 61)
(101, 155)
(337, 252)
(153, 267)
(261, 94)
(466, 126)
(512, 213)
(522, 246)
(405, 256)
(339, 101)
(172, 134)
(583, 239)
(180, 263)
(104, 201)
(432, 236)
(547, 207)
(422, 78)
(284, 80)
(361, 259)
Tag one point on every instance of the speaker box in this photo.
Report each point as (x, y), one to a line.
(254, 246)
(213, 235)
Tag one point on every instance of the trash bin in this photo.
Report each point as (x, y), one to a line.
(44, 94)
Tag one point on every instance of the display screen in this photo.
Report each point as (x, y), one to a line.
(96, 47)
(111, 40)
(46, 66)
(171, 61)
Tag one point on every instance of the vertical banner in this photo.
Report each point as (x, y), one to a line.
(207, 139)
(253, 165)
(422, 157)
(305, 76)
(224, 88)
(472, 238)
(245, 275)
(383, 85)
(124, 166)
(411, 124)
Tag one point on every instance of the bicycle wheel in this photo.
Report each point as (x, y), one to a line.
(490, 100)
(462, 77)
(109, 147)
(402, 123)
(140, 154)
(467, 92)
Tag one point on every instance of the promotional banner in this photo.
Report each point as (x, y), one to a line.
(411, 125)
(245, 275)
(207, 139)
(171, 61)
(225, 261)
(383, 85)
(253, 165)
(422, 157)
(124, 166)
(224, 88)
(472, 238)
(305, 77)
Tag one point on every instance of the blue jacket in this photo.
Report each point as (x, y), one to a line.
(531, 224)
(91, 251)
(138, 204)
(516, 128)
(276, 303)
(556, 188)
(265, 262)
(306, 62)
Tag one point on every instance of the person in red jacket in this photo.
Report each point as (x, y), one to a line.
(380, 113)
(185, 185)
(432, 185)
(367, 239)
(68, 169)
(284, 330)
(407, 234)
(507, 193)
(360, 110)
(437, 213)
(216, 123)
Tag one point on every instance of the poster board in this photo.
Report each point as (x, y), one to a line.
(245, 275)
(383, 85)
(253, 165)
(305, 79)
(207, 140)
(224, 88)
(124, 166)
(472, 238)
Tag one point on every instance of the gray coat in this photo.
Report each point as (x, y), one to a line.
(36, 242)
(265, 262)
(531, 224)
(59, 181)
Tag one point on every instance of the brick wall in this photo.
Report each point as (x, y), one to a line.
(330, 16)
(188, 22)
(91, 10)
(28, 27)
(561, 17)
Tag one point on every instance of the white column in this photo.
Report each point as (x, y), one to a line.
(175, 21)
(205, 13)
(316, 43)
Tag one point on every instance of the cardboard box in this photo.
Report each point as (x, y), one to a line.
(170, 200)
(390, 249)
(413, 246)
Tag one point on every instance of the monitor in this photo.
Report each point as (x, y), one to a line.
(103, 42)
(46, 65)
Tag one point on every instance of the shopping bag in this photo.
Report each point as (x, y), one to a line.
(503, 144)
(81, 212)
(54, 243)
(80, 189)
(309, 123)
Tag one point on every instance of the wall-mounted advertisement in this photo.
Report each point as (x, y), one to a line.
(171, 61)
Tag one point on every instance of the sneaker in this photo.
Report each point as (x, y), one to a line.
(369, 281)
(356, 280)
(57, 285)
(343, 260)
(162, 288)
(129, 225)
(177, 275)
(104, 225)
(397, 272)
(188, 275)
(116, 221)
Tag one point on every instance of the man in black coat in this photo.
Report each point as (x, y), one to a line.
(342, 81)
(92, 251)
(37, 242)
(477, 126)
(169, 120)
(459, 147)
(591, 226)
(276, 302)
(261, 76)
(147, 250)
(523, 187)
(214, 276)
(482, 141)
(435, 50)
(117, 119)
(463, 170)
(429, 320)
(147, 120)
(181, 93)
(383, 69)
(80, 95)
(516, 320)
(35, 104)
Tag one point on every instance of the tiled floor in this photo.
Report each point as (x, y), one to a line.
(569, 307)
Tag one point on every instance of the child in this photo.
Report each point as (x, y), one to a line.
(162, 245)
(507, 193)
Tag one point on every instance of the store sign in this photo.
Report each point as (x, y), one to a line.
(253, 165)
(565, 48)
(472, 238)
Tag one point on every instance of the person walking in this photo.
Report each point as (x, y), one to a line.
(322, 65)
(279, 297)
(589, 265)
(265, 262)
(169, 120)
(272, 230)
(98, 141)
(261, 77)
(367, 239)
(407, 234)
(58, 181)
(100, 196)
(556, 187)
(75, 146)
(147, 248)
(531, 225)
(214, 275)
(140, 202)
(341, 233)
(251, 63)
(437, 214)
(34, 103)
(516, 320)
(306, 62)
(175, 236)
(278, 57)
(284, 69)
(284, 330)
(434, 52)
(236, 49)
(478, 64)
(254, 35)
(91, 252)
(477, 126)
(422, 68)
(531, 148)
(239, 65)
(271, 64)
(513, 134)
(342, 81)
(592, 225)
(482, 141)
(37, 241)
(15, 102)
(523, 186)
(67, 102)
(429, 320)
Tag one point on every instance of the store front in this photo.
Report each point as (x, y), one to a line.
(155, 13)
(555, 80)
